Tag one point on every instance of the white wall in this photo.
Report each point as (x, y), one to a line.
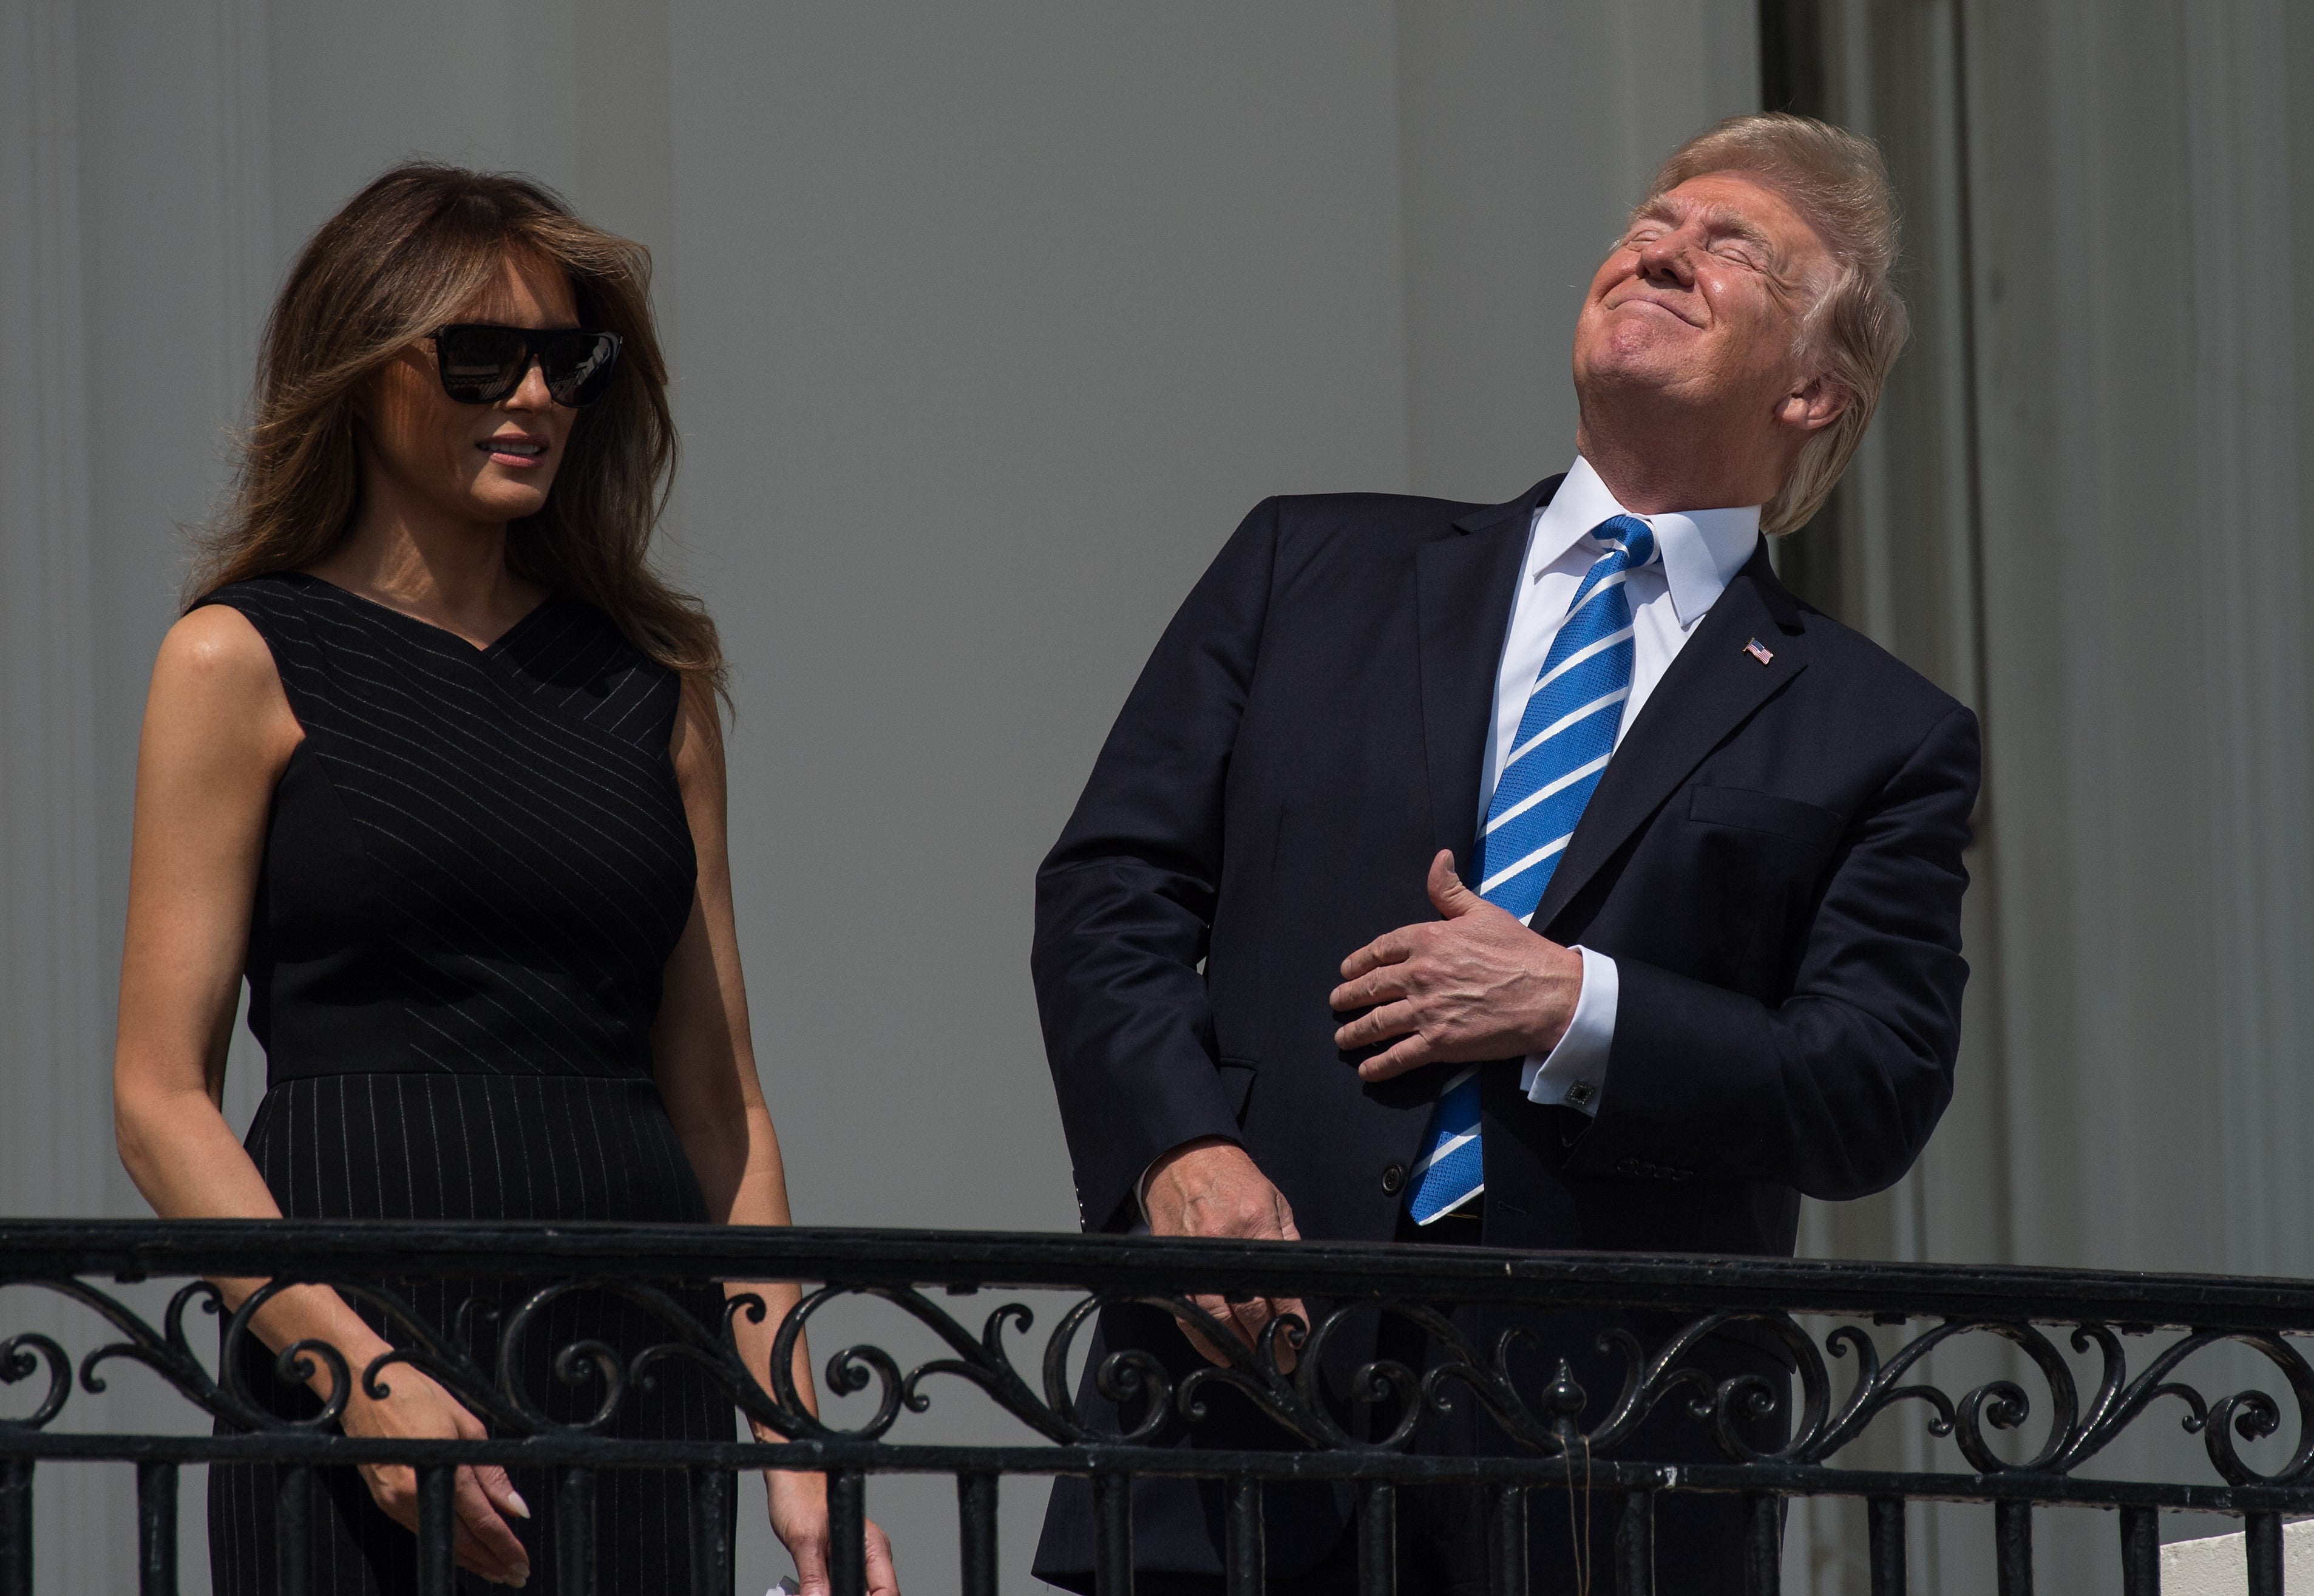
(988, 323)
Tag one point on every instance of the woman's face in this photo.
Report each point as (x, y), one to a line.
(472, 463)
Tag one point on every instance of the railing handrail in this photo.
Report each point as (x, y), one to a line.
(1031, 1260)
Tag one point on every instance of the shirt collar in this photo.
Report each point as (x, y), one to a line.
(1702, 550)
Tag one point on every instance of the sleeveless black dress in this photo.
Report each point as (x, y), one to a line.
(476, 867)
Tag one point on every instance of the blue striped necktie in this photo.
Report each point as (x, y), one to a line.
(1564, 740)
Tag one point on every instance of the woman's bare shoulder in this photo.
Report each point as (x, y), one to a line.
(214, 665)
(217, 649)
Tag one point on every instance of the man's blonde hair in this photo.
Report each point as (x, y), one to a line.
(1857, 324)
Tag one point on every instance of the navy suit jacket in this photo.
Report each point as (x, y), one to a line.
(1772, 858)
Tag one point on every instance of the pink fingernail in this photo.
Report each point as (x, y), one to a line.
(514, 1501)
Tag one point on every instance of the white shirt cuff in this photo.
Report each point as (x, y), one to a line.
(1575, 1072)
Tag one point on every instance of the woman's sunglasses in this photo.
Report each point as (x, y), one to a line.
(482, 364)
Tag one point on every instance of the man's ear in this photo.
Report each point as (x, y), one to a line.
(1812, 406)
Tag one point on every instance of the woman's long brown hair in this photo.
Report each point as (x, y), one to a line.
(408, 254)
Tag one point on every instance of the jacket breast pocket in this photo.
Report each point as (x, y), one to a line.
(1743, 809)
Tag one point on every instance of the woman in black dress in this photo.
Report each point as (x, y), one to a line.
(434, 761)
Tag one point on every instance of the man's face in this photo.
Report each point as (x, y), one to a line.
(1701, 300)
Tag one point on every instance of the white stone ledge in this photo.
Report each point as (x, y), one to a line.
(2215, 1566)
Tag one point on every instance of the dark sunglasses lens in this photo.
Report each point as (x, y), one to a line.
(482, 365)
(578, 365)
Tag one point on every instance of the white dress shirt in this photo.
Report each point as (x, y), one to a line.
(1702, 550)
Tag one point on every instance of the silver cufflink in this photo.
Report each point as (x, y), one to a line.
(1580, 1093)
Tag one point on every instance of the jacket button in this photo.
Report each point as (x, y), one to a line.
(1393, 1180)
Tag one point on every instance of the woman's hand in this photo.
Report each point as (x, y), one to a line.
(416, 1408)
(798, 1504)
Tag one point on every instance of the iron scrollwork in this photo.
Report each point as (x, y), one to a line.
(1281, 1374)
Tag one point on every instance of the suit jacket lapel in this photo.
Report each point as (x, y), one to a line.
(1464, 585)
(1711, 688)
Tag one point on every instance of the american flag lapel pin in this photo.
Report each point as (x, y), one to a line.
(1759, 651)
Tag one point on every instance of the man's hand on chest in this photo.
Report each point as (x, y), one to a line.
(1477, 984)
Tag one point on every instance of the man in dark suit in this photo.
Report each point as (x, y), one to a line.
(1538, 875)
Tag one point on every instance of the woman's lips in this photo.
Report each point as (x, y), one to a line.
(517, 454)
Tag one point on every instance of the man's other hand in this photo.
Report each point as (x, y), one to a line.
(1477, 984)
(1211, 1188)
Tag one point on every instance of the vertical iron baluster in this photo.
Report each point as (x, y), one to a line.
(2141, 1551)
(15, 1527)
(1635, 1546)
(2262, 1544)
(2012, 1543)
(293, 1529)
(711, 1493)
(574, 1533)
(847, 1532)
(1885, 1521)
(1377, 1537)
(156, 1530)
(1505, 1541)
(1112, 1535)
(975, 1532)
(1763, 1544)
(1247, 1556)
(437, 1569)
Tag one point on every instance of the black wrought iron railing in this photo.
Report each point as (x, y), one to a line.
(1860, 1339)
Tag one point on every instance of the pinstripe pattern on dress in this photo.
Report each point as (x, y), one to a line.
(475, 872)
(511, 857)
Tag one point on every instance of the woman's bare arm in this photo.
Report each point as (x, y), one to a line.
(218, 733)
(705, 1060)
